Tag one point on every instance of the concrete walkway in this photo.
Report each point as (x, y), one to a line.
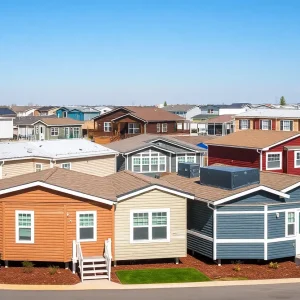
(108, 285)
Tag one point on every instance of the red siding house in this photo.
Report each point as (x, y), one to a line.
(277, 151)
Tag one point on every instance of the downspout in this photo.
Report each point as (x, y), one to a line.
(126, 163)
(52, 163)
(260, 159)
(1, 168)
(214, 232)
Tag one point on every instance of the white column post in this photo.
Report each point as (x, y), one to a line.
(265, 232)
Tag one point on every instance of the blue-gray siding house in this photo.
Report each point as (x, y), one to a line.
(256, 220)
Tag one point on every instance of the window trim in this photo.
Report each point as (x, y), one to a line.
(166, 127)
(40, 165)
(17, 227)
(66, 163)
(105, 127)
(37, 129)
(185, 155)
(295, 159)
(158, 127)
(287, 223)
(261, 124)
(150, 211)
(291, 122)
(75, 129)
(139, 155)
(244, 120)
(78, 213)
(280, 155)
(56, 129)
(134, 127)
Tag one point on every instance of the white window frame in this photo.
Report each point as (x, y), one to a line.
(150, 211)
(107, 127)
(289, 121)
(76, 131)
(17, 227)
(247, 125)
(37, 129)
(40, 165)
(66, 163)
(158, 127)
(64, 114)
(135, 128)
(185, 156)
(295, 159)
(54, 131)
(78, 213)
(149, 156)
(164, 127)
(262, 124)
(267, 157)
(287, 223)
(210, 111)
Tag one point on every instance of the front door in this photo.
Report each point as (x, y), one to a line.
(42, 134)
(67, 132)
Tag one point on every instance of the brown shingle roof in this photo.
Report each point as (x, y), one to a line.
(61, 121)
(195, 140)
(272, 180)
(257, 139)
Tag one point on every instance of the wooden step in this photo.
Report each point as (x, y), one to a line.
(95, 277)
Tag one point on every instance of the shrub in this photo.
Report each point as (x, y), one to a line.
(53, 269)
(237, 268)
(27, 266)
(274, 265)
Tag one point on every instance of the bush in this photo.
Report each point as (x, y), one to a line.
(237, 268)
(274, 265)
(27, 266)
(53, 269)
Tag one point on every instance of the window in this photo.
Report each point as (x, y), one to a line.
(86, 226)
(244, 124)
(76, 132)
(186, 158)
(150, 225)
(179, 126)
(210, 111)
(290, 224)
(149, 162)
(24, 227)
(133, 128)
(54, 131)
(107, 126)
(66, 166)
(158, 127)
(37, 129)
(297, 159)
(38, 167)
(164, 127)
(274, 161)
(286, 125)
(265, 124)
(64, 114)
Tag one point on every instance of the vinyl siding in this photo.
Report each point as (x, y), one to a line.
(240, 251)
(121, 163)
(155, 199)
(54, 225)
(199, 217)
(15, 168)
(199, 245)
(276, 226)
(281, 249)
(244, 226)
(284, 206)
(294, 195)
(240, 208)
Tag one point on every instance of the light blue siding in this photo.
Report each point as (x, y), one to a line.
(199, 245)
(281, 249)
(200, 217)
(240, 251)
(240, 226)
(294, 195)
(276, 226)
(284, 206)
(240, 208)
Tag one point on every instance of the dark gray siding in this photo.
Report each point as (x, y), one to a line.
(294, 195)
(239, 208)
(200, 245)
(173, 163)
(121, 163)
(281, 249)
(199, 217)
(240, 251)
(276, 226)
(284, 206)
(240, 226)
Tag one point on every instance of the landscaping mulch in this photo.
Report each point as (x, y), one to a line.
(287, 269)
(39, 275)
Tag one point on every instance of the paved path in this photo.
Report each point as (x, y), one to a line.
(259, 292)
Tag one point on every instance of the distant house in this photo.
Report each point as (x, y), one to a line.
(133, 120)
(77, 113)
(24, 111)
(183, 110)
(23, 157)
(103, 109)
(57, 128)
(6, 123)
(154, 154)
(276, 151)
(45, 111)
(269, 119)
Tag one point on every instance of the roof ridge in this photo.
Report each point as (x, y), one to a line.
(52, 172)
(138, 176)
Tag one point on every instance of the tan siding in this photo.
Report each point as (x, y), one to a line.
(237, 124)
(124, 250)
(55, 226)
(100, 166)
(15, 168)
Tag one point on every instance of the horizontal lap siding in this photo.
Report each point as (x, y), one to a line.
(177, 246)
(284, 206)
(199, 217)
(276, 226)
(291, 163)
(152, 127)
(281, 249)
(55, 225)
(15, 168)
(199, 245)
(244, 226)
(100, 166)
(233, 156)
(239, 208)
(240, 251)
(294, 195)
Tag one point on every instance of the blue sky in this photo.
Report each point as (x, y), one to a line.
(146, 52)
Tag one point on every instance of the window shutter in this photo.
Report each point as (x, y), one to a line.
(248, 124)
(260, 124)
(291, 125)
(240, 125)
(281, 125)
(270, 125)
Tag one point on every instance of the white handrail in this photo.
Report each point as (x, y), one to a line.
(108, 256)
(80, 259)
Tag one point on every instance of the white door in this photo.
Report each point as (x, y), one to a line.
(42, 133)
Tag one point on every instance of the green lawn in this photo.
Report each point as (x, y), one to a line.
(161, 276)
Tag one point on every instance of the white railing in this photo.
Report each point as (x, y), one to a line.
(108, 256)
(80, 259)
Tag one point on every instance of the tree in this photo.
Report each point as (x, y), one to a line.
(165, 103)
(282, 101)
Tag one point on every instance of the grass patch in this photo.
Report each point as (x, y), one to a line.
(161, 276)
